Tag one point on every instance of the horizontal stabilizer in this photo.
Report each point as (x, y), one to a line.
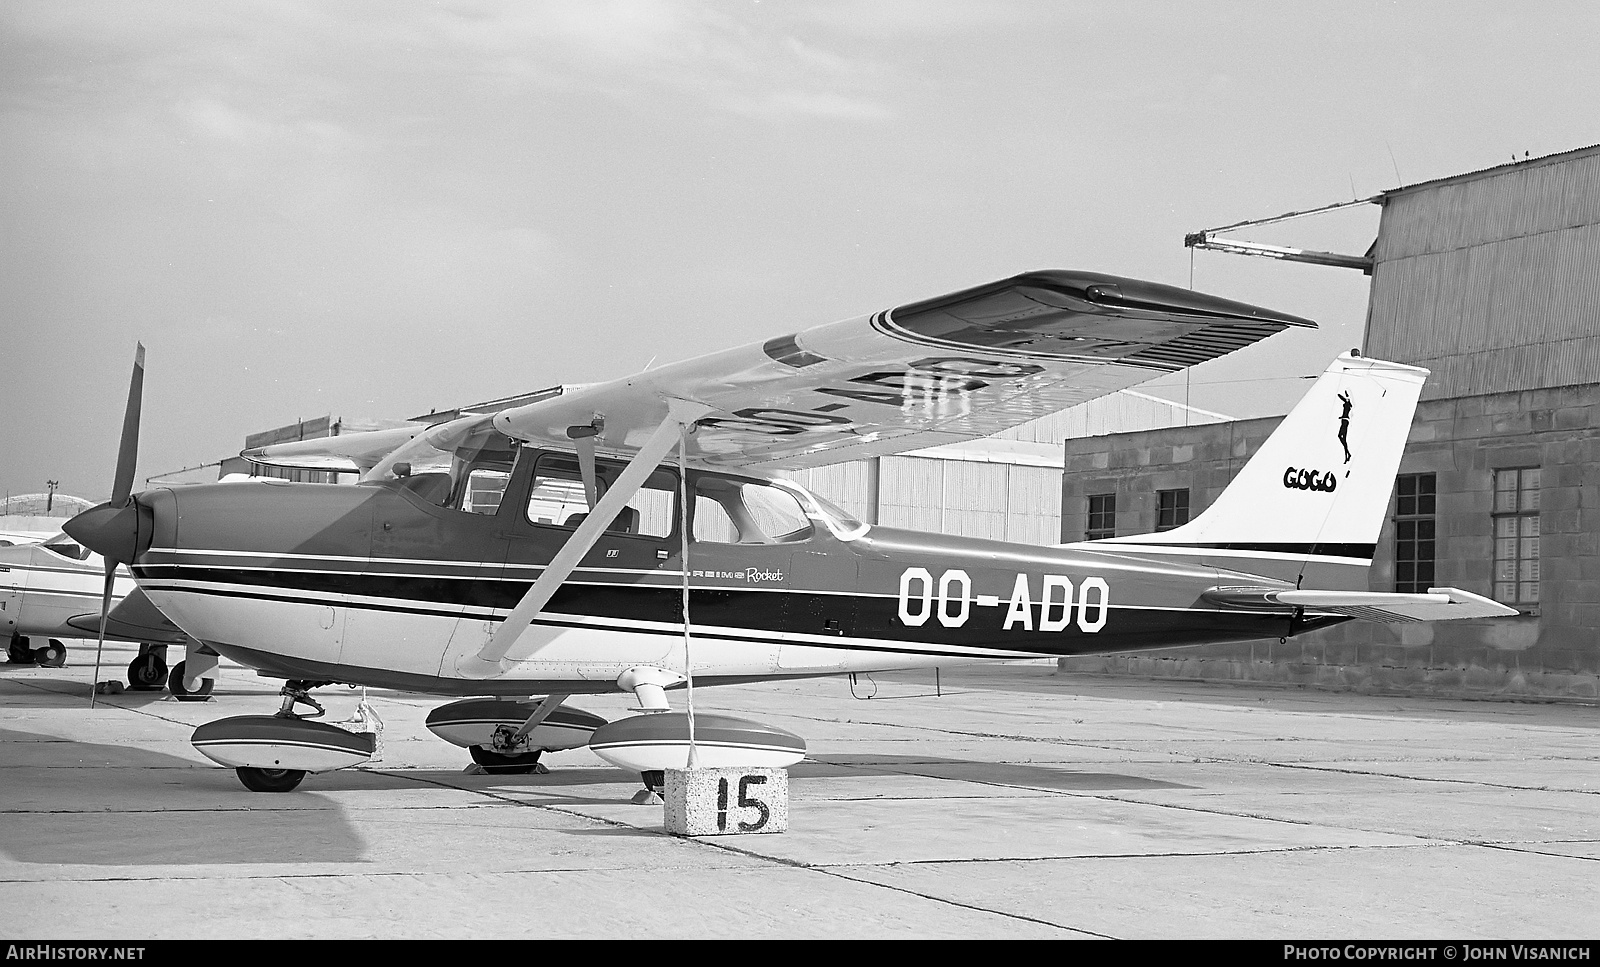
(1439, 604)
(133, 619)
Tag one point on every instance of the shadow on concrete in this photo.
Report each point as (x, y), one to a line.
(1041, 680)
(993, 773)
(378, 777)
(36, 692)
(144, 808)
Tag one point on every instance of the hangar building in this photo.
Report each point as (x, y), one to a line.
(1489, 280)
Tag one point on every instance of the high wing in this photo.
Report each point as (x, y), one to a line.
(347, 452)
(1439, 604)
(362, 450)
(958, 367)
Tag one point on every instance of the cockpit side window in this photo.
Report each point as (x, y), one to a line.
(67, 548)
(464, 464)
(483, 489)
(730, 511)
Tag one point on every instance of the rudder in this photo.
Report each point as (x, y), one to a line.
(1318, 489)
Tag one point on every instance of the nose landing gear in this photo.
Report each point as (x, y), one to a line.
(272, 753)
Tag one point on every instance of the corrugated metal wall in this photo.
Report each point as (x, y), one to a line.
(1117, 413)
(994, 500)
(1002, 501)
(1492, 280)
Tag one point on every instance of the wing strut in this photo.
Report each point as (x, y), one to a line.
(489, 662)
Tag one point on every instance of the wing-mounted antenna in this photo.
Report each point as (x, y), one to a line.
(490, 661)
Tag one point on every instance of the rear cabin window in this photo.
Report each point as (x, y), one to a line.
(557, 498)
(744, 512)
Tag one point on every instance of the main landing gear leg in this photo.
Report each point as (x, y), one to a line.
(649, 685)
(193, 678)
(654, 782)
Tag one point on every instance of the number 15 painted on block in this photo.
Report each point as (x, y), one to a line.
(745, 802)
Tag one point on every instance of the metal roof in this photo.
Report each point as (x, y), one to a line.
(1497, 169)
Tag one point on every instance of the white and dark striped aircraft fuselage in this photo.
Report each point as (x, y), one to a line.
(372, 585)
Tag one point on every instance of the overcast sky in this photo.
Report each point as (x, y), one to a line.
(371, 209)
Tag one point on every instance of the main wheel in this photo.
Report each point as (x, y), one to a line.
(175, 686)
(500, 764)
(269, 780)
(52, 655)
(19, 653)
(147, 671)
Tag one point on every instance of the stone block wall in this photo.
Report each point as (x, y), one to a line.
(1551, 651)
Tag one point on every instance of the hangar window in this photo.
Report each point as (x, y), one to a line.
(1172, 508)
(1414, 532)
(1102, 517)
(1516, 535)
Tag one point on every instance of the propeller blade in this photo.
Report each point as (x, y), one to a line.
(113, 528)
(128, 452)
(105, 613)
(114, 525)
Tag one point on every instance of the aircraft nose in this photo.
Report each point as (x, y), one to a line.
(118, 532)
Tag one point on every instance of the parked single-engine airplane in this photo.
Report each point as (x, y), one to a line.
(51, 590)
(11, 538)
(552, 548)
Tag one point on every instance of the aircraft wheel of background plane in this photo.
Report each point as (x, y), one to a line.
(269, 780)
(175, 685)
(148, 671)
(21, 652)
(52, 655)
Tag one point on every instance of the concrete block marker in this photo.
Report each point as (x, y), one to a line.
(722, 802)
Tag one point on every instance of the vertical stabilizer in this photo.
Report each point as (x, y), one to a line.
(1318, 489)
